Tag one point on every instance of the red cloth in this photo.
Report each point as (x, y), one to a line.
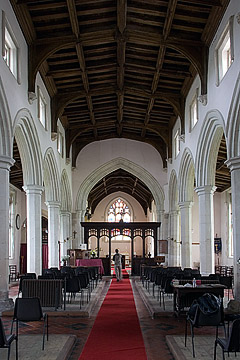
(116, 333)
(91, 262)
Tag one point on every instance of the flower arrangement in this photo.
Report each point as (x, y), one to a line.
(94, 252)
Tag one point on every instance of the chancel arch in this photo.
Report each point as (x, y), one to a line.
(125, 164)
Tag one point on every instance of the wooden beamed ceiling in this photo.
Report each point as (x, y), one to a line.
(118, 68)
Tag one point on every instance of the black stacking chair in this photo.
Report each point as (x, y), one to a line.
(6, 340)
(198, 319)
(84, 284)
(46, 276)
(166, 289)
(31, 275)
(228, 282)
(73, 287)
(67, 271)
(22, 278)
(230, 344)
(27, 310)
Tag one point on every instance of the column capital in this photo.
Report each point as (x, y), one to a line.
(6, 162)
(233, 163)
(185, 204)
(65, 213)
(174, 212)
(33, 189)
(205, 189)
(53, 204)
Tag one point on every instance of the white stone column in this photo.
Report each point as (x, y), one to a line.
(234, 165)
(5, 163)
(206, 228)
(80, 230)
(160, 218)
(34, 228)
(174, 239)
(165, 234)
(53, 233)
(65, 232)
(186, 233)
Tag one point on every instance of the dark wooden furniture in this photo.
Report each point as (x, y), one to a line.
(74, 255)
(13, 275)
(138, 231)
(183, 296)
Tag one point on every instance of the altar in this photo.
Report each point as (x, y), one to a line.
(91, 262)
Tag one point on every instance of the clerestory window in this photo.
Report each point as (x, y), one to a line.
(224, 52)
(10, 50)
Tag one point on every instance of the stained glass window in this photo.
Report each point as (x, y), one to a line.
(119, 211)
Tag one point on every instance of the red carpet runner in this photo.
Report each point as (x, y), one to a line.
(116, 333)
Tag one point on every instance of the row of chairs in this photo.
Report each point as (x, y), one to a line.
(79, 280)
(224, 270)
(162, 278)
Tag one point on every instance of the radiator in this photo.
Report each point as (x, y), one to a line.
(49, 291)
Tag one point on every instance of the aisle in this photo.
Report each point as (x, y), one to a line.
(116, 333)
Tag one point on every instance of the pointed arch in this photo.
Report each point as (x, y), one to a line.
(6, 131)
(51, 177)
(136, 170)
(29, 148)
(207, 149)
(233, 123)
(66, 197)
(173, 191)
(186, 177)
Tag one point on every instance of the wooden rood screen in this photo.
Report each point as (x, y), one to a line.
(139, 230)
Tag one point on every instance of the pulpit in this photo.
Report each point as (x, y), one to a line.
(75, 254)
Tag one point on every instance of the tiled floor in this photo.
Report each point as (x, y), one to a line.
(158, 332)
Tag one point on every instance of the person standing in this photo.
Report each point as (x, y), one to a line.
(117, 258)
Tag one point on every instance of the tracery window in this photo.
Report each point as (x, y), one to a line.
(119, 211)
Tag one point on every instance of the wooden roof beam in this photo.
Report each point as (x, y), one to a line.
(172, 4)
(205, 2)
(73, 17)
(121, 51)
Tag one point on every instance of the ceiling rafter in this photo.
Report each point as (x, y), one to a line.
(119, 68)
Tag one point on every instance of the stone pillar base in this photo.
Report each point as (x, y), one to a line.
(6, 305)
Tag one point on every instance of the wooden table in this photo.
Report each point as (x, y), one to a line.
(183, 296)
